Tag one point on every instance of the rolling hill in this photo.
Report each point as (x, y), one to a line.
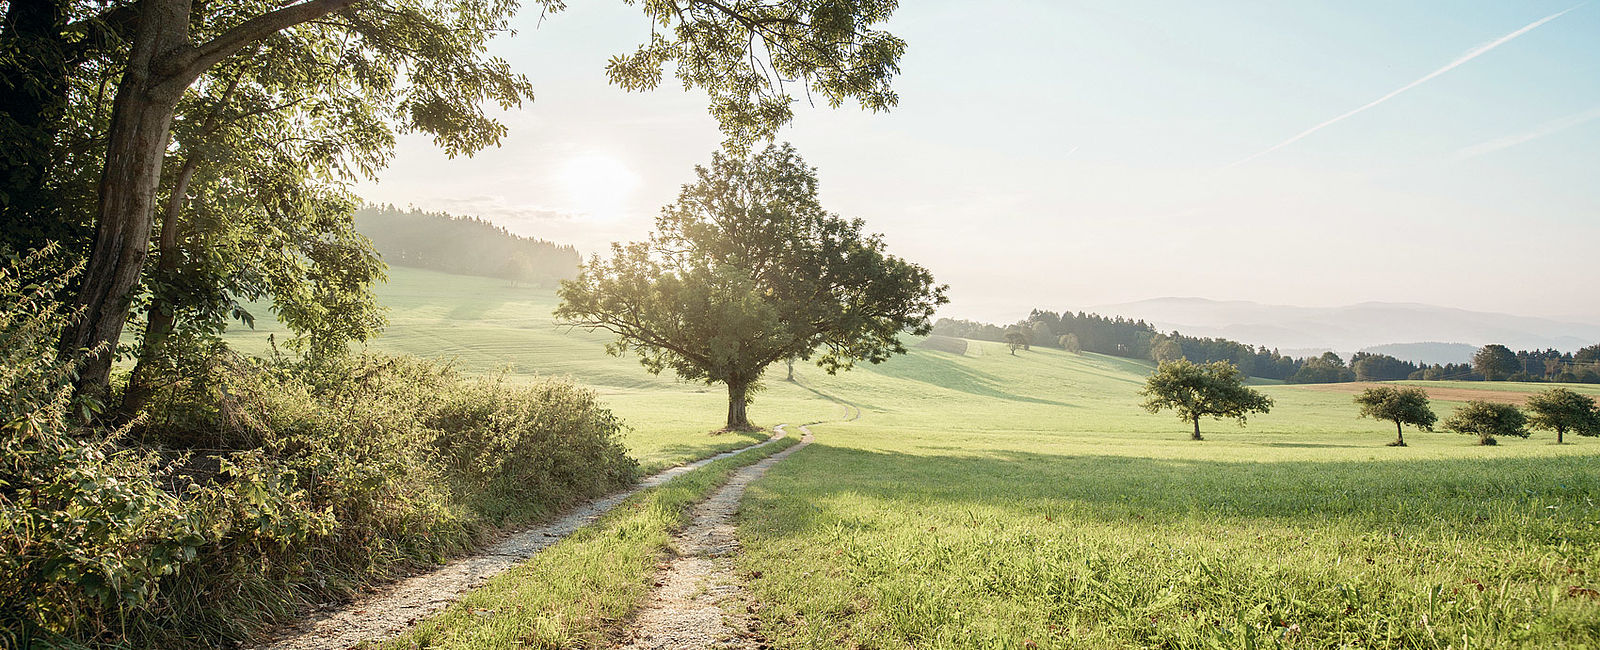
(1364, 326)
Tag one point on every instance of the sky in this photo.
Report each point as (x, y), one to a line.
(1061, 155)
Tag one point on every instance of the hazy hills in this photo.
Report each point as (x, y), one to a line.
(1411, 331)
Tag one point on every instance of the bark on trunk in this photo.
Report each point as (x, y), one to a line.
(162, 63)
(141, 121)
(1196, 435)
(1560, 433)
(1399, 435)
(738, 400)
(161, 318)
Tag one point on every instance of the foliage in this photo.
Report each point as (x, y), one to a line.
(1016, 339)
(464, 245)
(1561, 410)
(1495, 362)
(1401, 406)
(1487, 420)
(318, 476)
(1195, 391)
(1326, 369)
(744, 53)
(746, 269)
(1069, 342)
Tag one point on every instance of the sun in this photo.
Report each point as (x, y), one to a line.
(597, 185)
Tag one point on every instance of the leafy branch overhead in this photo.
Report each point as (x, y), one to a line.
(752, 57)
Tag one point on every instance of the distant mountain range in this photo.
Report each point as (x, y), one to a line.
(1409, 331)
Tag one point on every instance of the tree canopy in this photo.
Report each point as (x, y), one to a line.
(92, 93)
(1401, 406)
(1562, 410)
(1487, 420)
(747, 269)
(1496, 362)
(1195, 391)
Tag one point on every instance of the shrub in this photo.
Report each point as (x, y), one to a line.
(255, 488)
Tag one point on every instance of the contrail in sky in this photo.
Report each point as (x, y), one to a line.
(1549, 128)
(1470, 55)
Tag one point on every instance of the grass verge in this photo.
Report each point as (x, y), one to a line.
(574, 594)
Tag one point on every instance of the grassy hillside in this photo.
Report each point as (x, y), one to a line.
(983, 499)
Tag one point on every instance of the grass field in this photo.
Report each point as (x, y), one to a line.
(991, 500)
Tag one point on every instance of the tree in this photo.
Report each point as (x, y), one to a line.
(745, 270)
(1194, 391)
(1495, 362)
(1069, 342)
(1487, 420)
(1561, 410)
(1164, 349)
(1401, 406)
(1016, 339)
(1326, 369)
(431, 72)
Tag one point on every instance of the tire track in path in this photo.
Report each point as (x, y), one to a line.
(698, 593)
(394, 609)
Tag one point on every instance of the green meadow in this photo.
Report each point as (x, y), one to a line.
(993, 500)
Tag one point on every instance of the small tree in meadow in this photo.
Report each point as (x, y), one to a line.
(1561, 410)
(1487, 420)
(1195, 391)
(1401, 406)
(1016, 338)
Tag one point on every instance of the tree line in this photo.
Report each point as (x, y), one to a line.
(464, 245)
(1137, 339)
(1216, 390)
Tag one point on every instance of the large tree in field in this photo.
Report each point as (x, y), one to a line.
(1495, 362)
(421, 64)
(1562, 410)
(1401, 406)
(746, 269)
(1196, 391)
(1487, 420)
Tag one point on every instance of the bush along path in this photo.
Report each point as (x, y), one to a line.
(699, 600)
(395, 609)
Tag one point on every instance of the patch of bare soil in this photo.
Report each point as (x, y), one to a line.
(394, 609)
(699, 601)
(1450, 394)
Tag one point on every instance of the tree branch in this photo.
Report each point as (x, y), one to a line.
(255, 29)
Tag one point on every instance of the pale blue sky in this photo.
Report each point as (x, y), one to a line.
(1069, 154)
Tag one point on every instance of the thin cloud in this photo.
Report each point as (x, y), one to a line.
(1546, 129)
(1468, 56)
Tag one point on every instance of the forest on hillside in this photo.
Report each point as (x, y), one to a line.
(465, 245)
(1137, 339)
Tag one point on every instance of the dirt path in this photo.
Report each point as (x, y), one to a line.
(699, 601)
(393, 610)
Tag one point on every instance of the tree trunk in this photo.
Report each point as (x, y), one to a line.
(1196, 435)
(161, 65)
(1560, 433)
(791, 370)
(141, 121)
(161, 317)
(738, 400)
